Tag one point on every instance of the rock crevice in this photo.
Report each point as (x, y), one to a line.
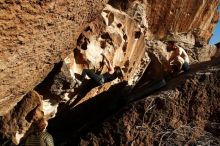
(46, 44)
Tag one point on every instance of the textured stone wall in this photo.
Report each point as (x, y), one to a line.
(34, 35)
(183, 16)
(176, 16)
(180, 114)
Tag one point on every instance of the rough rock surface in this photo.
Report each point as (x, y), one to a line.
(184, 16)
(185, 112)
(117, 36)
(176, 16)
(67, 36)
(35, 35)
(218, 49)
(18, 121)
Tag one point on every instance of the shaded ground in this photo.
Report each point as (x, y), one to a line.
(74, 121)
(185, 112)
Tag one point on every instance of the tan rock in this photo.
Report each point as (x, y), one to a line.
(17, 122)
(35, 35)
(175, 16)
(122, 41)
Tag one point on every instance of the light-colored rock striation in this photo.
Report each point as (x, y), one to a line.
(176, 16)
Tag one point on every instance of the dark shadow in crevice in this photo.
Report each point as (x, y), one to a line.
(88, 29)
(85, 88)
(153, 73)
(137, 34)
(30, 115)
(119, 4)
(73, 122)
(44, 87)
(5, 141)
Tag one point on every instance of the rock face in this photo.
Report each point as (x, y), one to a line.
(175, 16)
(122, 41)
(218, 50)
(35, 35)
(184, 16)
(18, 121)
(45, 45)
(117, 36)
(186, 112)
